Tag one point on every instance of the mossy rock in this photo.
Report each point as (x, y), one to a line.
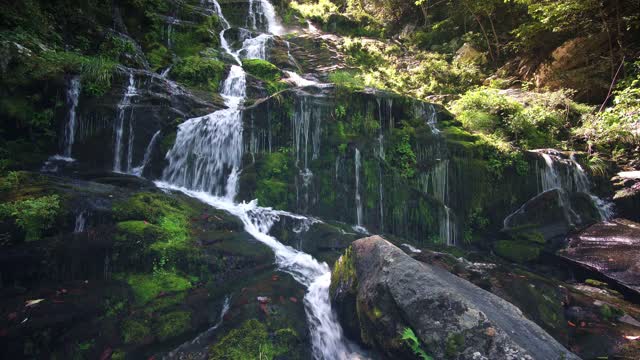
(198, 72)
(517, 250)
(252, 341)
(172, 324)
(148, 286)
(135, 331)
(262, 69)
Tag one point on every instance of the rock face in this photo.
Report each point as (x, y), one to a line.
(550, 214)
(611, 249)
(627, 197)
(379, 291)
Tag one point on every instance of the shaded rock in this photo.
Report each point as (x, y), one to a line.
(627, 196)
(553, 214)
(451, 317)
(611, 249)
(468, 54)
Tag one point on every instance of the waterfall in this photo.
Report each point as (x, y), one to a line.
(123, 106)
(567, 175)
(80, 223)
(147, 155)
(208, 149)
(73, 93)
(381, 159)
(358, 201)
(205, 163)
(435, 183)
(165, 72)
(196, 348)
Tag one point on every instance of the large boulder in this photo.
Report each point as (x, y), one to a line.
(379, 292)
(611, 249)
(553, 213)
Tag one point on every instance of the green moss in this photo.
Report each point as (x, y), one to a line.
(251, 341)
(135, 331)
(610, 312)
(164, 302)
(595, 283)
(262, 69)
(151, 207)
(344, 272)
(518, 251)
(454, 343)
(199, 72)
(173, 324)
(148, 286)
(136, 230)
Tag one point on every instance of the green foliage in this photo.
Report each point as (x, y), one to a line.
(199, 72)
(146, 287)
(34, 216)
(173, 324)
(402, 157)
(410, 338)
(135, 331)
(541, 123)
(347, 79)
(272, 186)
(318, 11)
(612, 130)
(251, 341)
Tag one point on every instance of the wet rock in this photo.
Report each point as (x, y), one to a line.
(610, 249)
(553, 214)
(627, 196)
(451, 317)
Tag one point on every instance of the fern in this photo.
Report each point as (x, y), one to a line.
(414, 343)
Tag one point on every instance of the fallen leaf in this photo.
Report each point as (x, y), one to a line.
(571, 324)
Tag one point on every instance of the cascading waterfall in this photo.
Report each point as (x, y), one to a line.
(123, 106)
(73, 94)
(207, 150)
(435, 183)
(570, 178)
(358, 200)
(138, 170)
(381, 157)
(80, 223)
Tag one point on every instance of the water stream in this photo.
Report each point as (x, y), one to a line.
(205, 162)
(73, 93)
(123, 107)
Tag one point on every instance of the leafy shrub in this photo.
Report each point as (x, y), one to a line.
(347, 79)
(32, 215)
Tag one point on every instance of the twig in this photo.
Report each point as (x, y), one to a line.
(613, 83)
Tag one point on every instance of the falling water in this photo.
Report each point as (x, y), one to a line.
(80, 224)
(138, 170)
(196, 349)
(570, 178)
(123, 106)
(435, 183)
(358, 199)
(73, 93)
(207, 150)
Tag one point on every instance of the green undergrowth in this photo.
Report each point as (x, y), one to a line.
(146, 287)
(253, 340)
